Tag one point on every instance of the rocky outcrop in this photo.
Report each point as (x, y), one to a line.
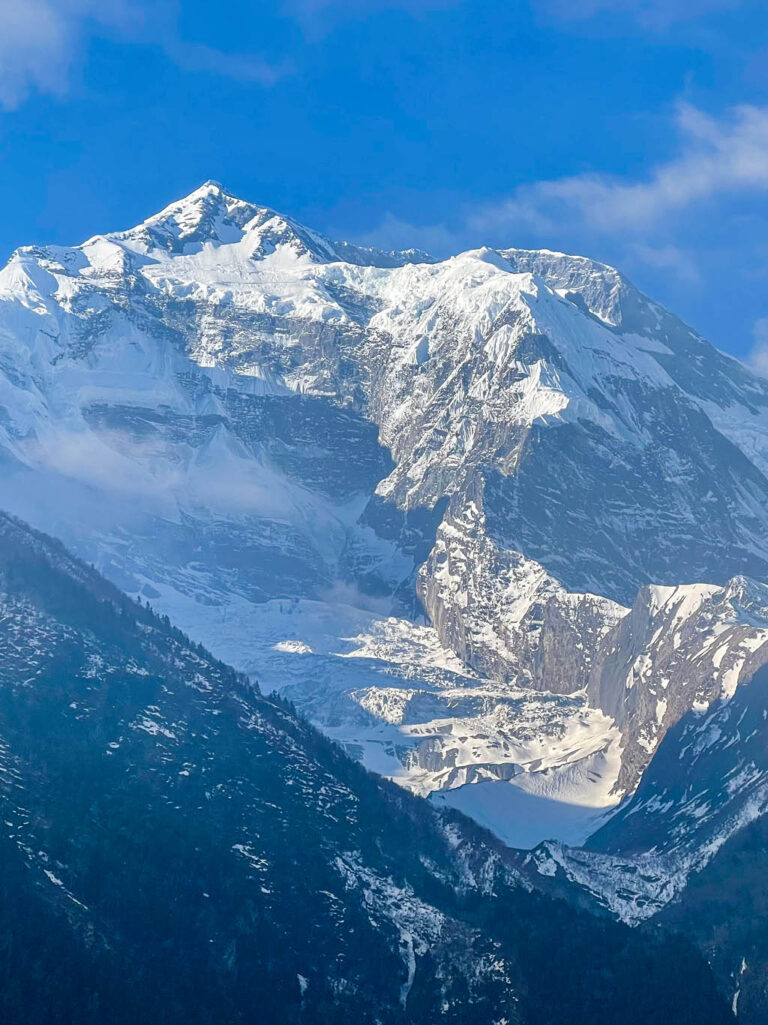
(679, 648)
(504, 614)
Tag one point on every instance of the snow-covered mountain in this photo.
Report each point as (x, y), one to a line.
(483, 520)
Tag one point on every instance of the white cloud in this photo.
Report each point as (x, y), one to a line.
(307, 9)
(679, 262)
(242, 67)
(395, 233)
(758, 357)
(652, 14)
(625, 219)
(716, 157)
(40, 40)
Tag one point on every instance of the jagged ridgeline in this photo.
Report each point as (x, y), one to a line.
(178, 848)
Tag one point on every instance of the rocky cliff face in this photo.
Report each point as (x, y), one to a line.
(679, 648)
(505, 614)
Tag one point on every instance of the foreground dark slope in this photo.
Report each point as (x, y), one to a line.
(714, 801)
(725, 909)
(178, 848)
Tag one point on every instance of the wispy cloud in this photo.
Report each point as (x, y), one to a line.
(758, 357)
(716, 156)
(42, 41)
(395, 233)
(716, 159)
(362, 8)
(653, 14)
(242, 67)
(680, 263)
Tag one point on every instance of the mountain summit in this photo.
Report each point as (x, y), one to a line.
(213, 215)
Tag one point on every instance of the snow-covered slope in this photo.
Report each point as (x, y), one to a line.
(296, 447)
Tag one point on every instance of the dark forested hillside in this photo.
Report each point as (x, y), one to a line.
(724, 908)
(177, 848)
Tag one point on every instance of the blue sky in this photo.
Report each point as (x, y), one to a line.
(634, 132)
